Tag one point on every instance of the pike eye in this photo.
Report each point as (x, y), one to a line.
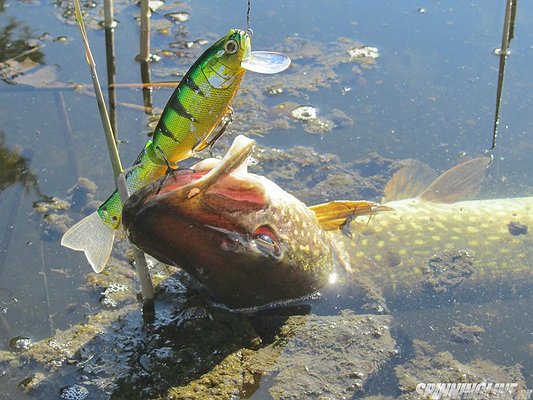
(267, 242)
(231, 46)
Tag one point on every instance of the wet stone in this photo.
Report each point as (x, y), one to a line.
(74, 392)
(461, 333)
(429, 365)
(308, 366)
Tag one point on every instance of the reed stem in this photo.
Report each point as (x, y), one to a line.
(147, 288)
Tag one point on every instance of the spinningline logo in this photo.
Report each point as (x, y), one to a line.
(483, 390)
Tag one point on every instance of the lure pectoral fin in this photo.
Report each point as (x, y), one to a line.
(92, 236)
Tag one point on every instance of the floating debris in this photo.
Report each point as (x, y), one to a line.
(61, 39)
(20, 343)
(304, 113)
(54, 226)
(178, 17)
(45, 37)
(363, 52)
(167, 53)
(155, 4)
(275, 90)
(48, 204)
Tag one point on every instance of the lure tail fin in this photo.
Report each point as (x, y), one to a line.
(92, 236)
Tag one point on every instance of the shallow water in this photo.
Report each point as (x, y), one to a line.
(430, 95)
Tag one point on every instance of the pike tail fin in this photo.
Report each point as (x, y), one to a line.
(92, 236)
(335, 214)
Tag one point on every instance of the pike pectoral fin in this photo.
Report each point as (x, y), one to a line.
(92, 236)
(334, 215)
(458, 183)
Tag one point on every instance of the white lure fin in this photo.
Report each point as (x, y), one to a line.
(92, 236)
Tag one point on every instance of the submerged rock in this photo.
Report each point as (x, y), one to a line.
(429, 365)
(462, 333)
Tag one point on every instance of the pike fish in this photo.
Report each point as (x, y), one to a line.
(249, 243)
(187, 125)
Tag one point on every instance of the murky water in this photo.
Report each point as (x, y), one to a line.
(430, 95)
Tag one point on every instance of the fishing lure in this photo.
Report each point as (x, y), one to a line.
(187, 125)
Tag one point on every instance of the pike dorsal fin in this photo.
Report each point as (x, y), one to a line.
(458, 183)
(409, 181)
(335, 214)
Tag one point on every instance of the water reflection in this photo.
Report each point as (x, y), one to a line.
(19, 52)
(15, 167)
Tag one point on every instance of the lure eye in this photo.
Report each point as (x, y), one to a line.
(231, 46)
(267, 242)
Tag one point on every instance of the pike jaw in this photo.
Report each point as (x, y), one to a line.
(247, 241)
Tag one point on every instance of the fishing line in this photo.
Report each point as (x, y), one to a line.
(248, 11)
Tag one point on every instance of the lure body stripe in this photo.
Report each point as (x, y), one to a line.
(194, 110)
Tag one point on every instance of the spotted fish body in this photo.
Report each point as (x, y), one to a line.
(430, 247)
(186, 125)
(250, 243)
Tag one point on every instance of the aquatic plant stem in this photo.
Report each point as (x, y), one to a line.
(140, 260)
(110, 138)
(109, 21)
(144, 54)
(141, 267)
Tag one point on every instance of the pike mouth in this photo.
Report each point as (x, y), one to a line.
(234, 162)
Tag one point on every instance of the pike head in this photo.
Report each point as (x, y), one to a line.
(247, 241)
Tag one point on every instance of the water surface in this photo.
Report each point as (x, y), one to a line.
(430, 95)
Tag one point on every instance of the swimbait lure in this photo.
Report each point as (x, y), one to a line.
(187, 125)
